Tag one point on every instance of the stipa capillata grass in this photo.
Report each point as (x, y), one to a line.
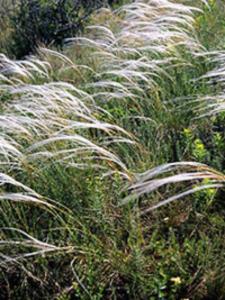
(43, 125)
(140, 49)
(49, 123)
(56, 113)
(212, 103)
(174, 174)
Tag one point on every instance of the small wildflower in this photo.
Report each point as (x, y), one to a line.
(187, 132)
(199, 145)
(199, 150)
(176, 280)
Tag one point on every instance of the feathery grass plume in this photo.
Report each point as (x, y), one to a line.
(158, 23)
(23, 70)
(47, 125)
(214, 102)
(61, 65)
(138, 50)
(44, 124)
(27, 242)
(55, 114)
(14, 197)
(24, 193)
(164, 175)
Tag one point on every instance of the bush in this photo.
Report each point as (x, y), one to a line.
(48, 22)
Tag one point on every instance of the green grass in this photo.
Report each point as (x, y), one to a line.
(112, 160)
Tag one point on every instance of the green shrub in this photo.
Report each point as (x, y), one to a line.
(37, 22)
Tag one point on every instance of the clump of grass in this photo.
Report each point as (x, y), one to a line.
(94, 141)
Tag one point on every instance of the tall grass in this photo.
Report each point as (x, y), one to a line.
(94, 140)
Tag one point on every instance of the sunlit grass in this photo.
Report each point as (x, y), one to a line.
(111, 160)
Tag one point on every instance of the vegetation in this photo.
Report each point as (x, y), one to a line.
(112, 162)
(35, 22)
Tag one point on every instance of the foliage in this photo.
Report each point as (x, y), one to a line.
(36, 22)
(112, 160)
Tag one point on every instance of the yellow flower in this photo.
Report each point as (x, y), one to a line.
(176, 280)
(199, 150)
(187, 130)
(187, 133)
(199, 145)
(211, 2)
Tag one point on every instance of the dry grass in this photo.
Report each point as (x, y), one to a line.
(72, 131)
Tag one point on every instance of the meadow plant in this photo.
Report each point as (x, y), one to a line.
(98, 146)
